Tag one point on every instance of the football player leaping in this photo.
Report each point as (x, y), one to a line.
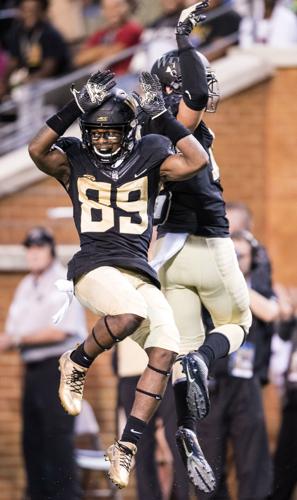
(113, 180)
(194, 252)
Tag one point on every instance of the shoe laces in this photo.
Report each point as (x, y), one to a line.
(126, 456)
(75, 380)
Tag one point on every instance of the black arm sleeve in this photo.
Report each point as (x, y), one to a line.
(195, 89)
(166, 124)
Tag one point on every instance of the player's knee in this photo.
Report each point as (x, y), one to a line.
(124, 325)
(161, 358)
(133, 322)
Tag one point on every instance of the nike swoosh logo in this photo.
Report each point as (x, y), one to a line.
(135, 432)
(187, 452)
(140, 173)
(189, 378)
(187, 92)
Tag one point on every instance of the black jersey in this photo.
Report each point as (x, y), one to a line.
(197, 204)
(113, 207)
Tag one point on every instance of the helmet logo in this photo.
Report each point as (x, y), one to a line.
(102, 119)
(171, 68)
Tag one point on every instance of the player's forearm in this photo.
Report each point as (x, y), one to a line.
(193, 153)
(264, 309)
(51, 162)
(40, 146)
(91, 55)
(45, 336)
(189, 117)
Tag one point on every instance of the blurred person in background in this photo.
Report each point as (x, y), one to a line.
(170, 12)
(240, 218)
(219, 31)
(47, 434)
(36, 50)
(273, 23)
(159, 36)
(119, 32)
(236, 412)
(92, 15)
(285, 456)
(68, 18)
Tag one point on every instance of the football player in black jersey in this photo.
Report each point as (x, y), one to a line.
(113, 180)
(194, 252)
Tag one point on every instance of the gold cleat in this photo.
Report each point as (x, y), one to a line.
(71, 384)
(121, 457)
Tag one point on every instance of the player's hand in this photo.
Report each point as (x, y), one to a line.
(190, 17)
(152, 101)
(95, 91)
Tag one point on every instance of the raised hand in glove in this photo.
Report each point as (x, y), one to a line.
(190, 17)
(152, 101)
(95, 91)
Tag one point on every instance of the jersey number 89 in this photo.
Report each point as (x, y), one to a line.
(114, 208)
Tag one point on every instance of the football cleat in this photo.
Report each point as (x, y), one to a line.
(199, 471)
(196, 372)
(121, 458)
(71, 384)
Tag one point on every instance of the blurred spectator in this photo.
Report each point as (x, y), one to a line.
(36, 49)
(236, 401)
(171, 10)
(285, 458)
(118, 33)
(92, 15)
(219, 31)
(47, 429)
(273, 23)
(240, 218)
(159, 36)
(159, 469)
(67, 17)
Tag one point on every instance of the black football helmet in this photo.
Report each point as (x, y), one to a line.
(117, 112)
(168, 70)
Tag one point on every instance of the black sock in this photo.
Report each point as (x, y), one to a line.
(183, 416)
(134, 430)
(80, 357)
(215, 346)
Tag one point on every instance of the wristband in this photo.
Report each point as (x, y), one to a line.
(194, 81)
(166, 124)
(60, 122)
